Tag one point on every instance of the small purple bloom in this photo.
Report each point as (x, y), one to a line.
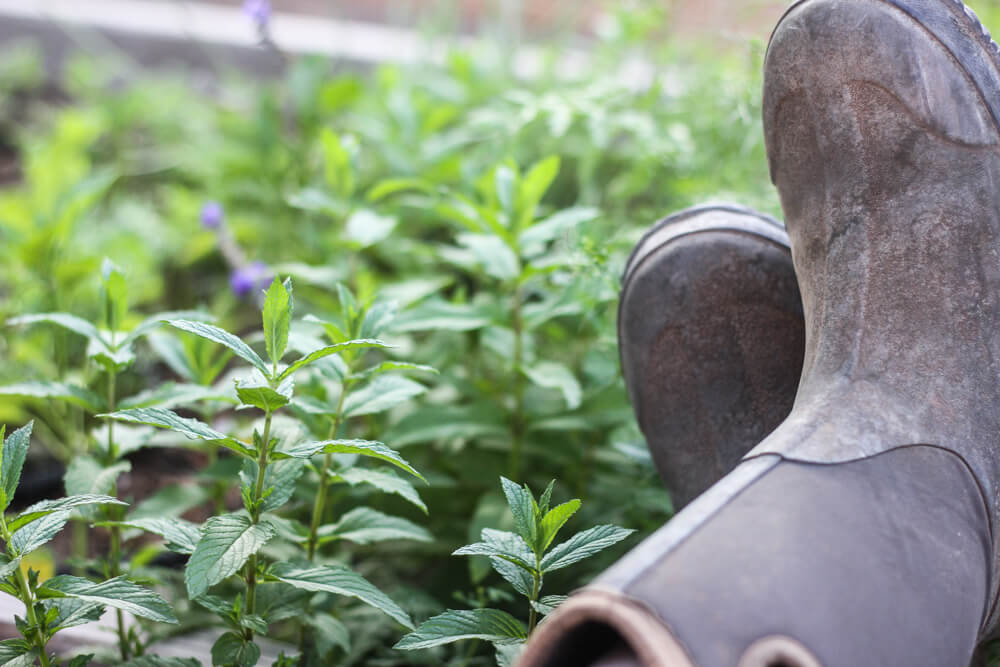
(259, 11)
(246, 279)
(212, 215)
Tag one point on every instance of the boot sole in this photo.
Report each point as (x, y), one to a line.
(709, 304)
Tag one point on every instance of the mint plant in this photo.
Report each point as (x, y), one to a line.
(98, 460)
(227, 548)
(62, 601)
(522, 558)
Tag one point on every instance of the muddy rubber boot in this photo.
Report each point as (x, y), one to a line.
(711, 338)
(862, 531)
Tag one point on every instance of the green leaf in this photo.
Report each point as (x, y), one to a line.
(189, 428)
(436, 314)
(71, 612)
(277, 316)
(115, 290)
(119, 593)
(554, 520)
(169, 395)
(492, 254)
(386, 482)
(507, 653)
(182, 536)
(153, 322)
(8, 566)
(522, 506)
(65, 320)
(157, 661)
(366, 228)
(501, 544)
(15, 449)
(59, 391)
(223, 337)
(391, 186)
(551, 375)
(47, 507)
(436, 423)
(533, 187)
(331, 349)
(504, 180)
(37, 533)
(548, 604)
(113, 361)
(329, 632)
(226, 543)
(264, 397)
(490, 625)
(389, 366)
(533, 239)
(546, 497)
(364, 525)
(380, 394)
(522, 580)
(85, 475)
(583, 545)
(340, 581)
(280, 479)
(338, 170)
(16, 653)
(368, 448)
(233, 649)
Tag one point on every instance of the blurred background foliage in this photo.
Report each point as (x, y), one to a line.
(333, 173)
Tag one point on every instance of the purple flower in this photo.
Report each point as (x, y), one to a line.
(246, 279)
(212, 215)
(259, 11)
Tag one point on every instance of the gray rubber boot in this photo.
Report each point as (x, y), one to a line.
(861, 532)
(711, 337)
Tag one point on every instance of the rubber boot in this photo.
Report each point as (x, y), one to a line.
(711, 338)
(861, 532)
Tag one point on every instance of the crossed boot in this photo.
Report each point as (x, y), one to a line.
(863, 530)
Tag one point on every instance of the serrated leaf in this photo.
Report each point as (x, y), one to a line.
(551, 375)
(508, 652)
(14, 652)
(153, 322)
(59, 391)
(331, 349)
(546, 497)
(71, 612)
(46, 507)
(223, 337)
(386, 482)
(264, 397)
(279, 601)
(522, 507)
(112, 360)
(455, 625)
(340, 581)
(368, 448)
(382, 393)
(65, 320)
(554, 520)
(548, 604)
(329, 632)
(378, 318)
(232, 649)
(516, 576)
(8, 566)
(119, 593)
(226, 543)
(501, 544)
(280, 478)
(157, 661)
(37, 533)
(277, 317)
(181, 536)
(189, 428)
(364, 525)
(583, 545)
(15, 449)
(169, 395)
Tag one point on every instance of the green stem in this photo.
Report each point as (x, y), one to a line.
(517, 418)
(319, 504)
(28, 598)
(536, 589)
(115, 555)
(251, 573)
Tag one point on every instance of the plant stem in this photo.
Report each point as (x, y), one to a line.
(319, 505)
(517, 417)
(115, 555)
(536, 589)
(28, 598)
(251, 574)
